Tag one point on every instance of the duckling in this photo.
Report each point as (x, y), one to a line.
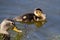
(25, 18)
(37, 16)
(6, 25)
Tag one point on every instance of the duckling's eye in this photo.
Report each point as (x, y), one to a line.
(12, 23)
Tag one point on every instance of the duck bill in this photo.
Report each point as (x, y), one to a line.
(15, 29)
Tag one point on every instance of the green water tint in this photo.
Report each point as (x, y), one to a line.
(18, 36)
(4, 37)
(40, 23)
(36, 23)
(1, 37)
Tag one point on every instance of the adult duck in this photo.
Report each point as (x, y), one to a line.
(5, 26)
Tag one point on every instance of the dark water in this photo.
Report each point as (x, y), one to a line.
(49, 31)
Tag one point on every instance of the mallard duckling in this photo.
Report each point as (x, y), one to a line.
(6, 25)
(30, 17)
(37, 16)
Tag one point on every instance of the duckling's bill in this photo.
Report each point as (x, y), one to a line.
(15, 29)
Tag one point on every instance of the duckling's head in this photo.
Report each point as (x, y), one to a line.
(6, 25)
(39, 13)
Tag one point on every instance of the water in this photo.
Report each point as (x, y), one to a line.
(12, 8)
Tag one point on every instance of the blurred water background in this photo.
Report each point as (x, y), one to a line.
(49, 31)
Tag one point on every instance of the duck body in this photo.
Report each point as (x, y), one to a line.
(28, 18)
(32, 18)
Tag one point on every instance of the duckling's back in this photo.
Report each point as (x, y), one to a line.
(27, 17)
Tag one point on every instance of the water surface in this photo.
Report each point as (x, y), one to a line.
(49, 31)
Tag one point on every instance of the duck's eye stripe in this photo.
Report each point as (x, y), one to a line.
(24, 17)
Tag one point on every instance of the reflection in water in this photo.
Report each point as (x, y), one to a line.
(40, 23)
(28, 30)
